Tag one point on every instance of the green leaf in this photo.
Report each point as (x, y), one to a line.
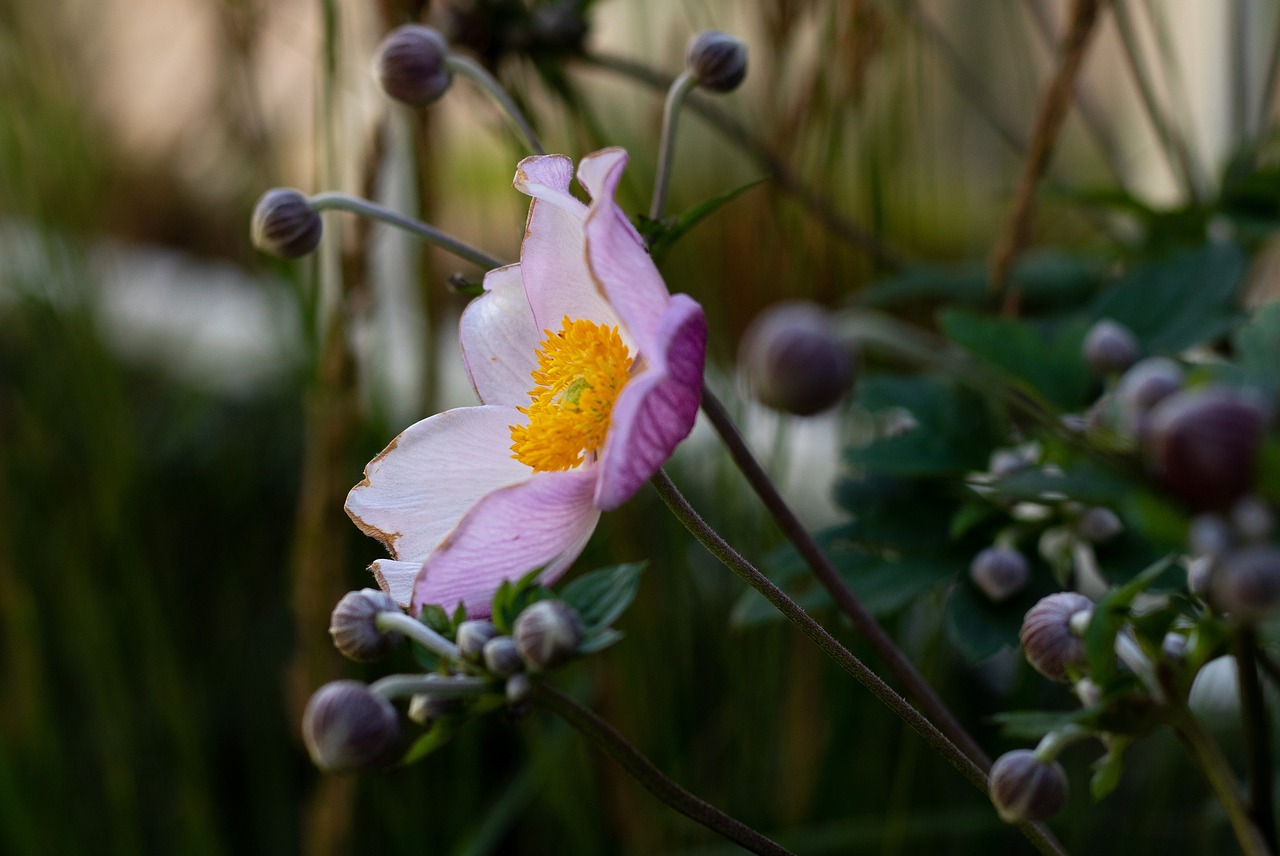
(440, 733)
(601, 596)
(954, 432)
(1257, 349)
(1109, 616)
(1048, 363)
(1108, 769)
(511, 599)
(1034, 724)
(979, 628)
(662, 235)
(599, 640)
(1185, 298)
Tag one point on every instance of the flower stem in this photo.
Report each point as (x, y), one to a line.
(642, 769)
(917, 688)
(676, 94)
(1257, 733)
(481, 77)
(442, 686)
(418, 632)
(365, 208)
(1220, 776)
(735, 562)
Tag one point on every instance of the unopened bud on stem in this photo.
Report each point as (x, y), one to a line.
(547, 634)
(285, 225)
(412, 65)
(717, 60)
(1049, 641)
(347, 728)
(354, 625)
(1025, 788)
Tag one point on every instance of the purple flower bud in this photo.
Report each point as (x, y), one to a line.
(1001, 572)
(472, 636)
(285, 225)
(502, 657)
(1025, 788)
(354, 625)
(1049, 643)
(347, 728)
(1202, 444)
(717, 60)
(794, 360)
(1141, 388)
(1098, 525)
(411, 65)
(1110, 348)
(1246, 584)
(518, 688)
(547, 634)
(425, 708)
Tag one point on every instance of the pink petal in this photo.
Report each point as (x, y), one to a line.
(396, 578)
(422, 484)
(657, 408)
(543, 522)
(499, 339)
(553, 255)
(616, 255)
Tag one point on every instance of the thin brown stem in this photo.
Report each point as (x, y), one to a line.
(654, 780)
(735, 562)
(1048, 123)
(917, 688)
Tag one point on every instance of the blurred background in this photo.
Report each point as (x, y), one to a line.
(181, 416)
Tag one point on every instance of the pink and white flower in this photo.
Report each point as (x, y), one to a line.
(590, 374)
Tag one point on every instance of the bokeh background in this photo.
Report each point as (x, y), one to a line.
(181, 416)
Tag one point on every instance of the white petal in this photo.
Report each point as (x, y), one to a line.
(396, 578)
(499, 339)
(422, 484)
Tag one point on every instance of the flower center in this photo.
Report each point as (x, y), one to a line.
(580, 372)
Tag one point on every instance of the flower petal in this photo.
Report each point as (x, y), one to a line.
(499, 339)
(542, 522)
(657, 408)
(616, 255)
(421, 485)
(396, 578)
(553, 255)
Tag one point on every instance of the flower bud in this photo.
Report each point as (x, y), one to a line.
(472, 636)
(285, 225)
(1141, 388)
(347, 728)
(426, 708)
(1049, 642)
(354, 625)
(1025, 788)
(1246, 584)
(794, 360)
(501, 656)
(1110, 348)
(1209, 535)
(1252, 520)
(1001, 572)
(411, 65)
(547, 634)
(1098, 525)
(717, 60)
(1202, 444)
(518, 688)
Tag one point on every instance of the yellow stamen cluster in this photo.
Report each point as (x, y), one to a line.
(581, 370)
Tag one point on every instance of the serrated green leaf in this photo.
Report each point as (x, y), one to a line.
(1049, 364)
(1184, 298)
(601, 596)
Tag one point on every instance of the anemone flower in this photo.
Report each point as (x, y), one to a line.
(589, 373)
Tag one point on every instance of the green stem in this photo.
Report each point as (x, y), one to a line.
(481, 77)
(1220, 776)
(441, 686)
(365, 208)
(676, 94)
(654, 780)
(418, 632)
(1257, 733)
(917, 688)
(735, 562)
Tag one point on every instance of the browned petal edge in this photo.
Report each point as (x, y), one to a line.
(388, 539)
(383, 584)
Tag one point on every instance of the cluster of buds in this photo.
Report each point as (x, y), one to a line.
(349, 726)
(1235, 565)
